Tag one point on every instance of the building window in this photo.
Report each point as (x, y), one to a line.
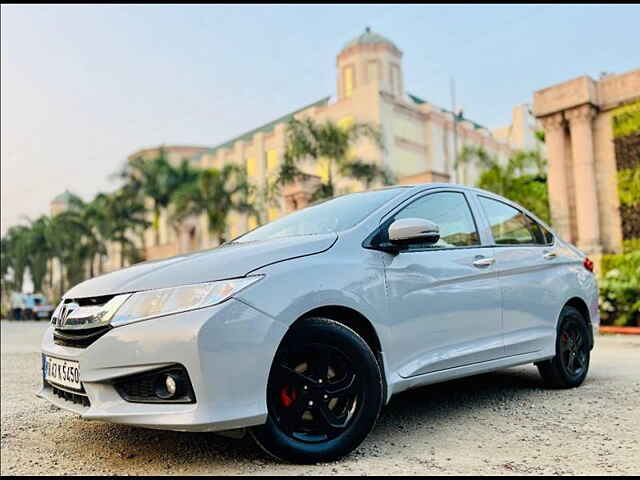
(252, 167)
(348, 81)
(345, 122)
(272, 160)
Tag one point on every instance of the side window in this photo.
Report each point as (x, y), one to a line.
(510, 226)
(450, 211)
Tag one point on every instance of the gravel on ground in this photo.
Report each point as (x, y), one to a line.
(499, 423)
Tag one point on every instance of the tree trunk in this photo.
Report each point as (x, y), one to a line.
(330, 176)
(121, 254)
(61, 279)
(143, 248)
(156, 224)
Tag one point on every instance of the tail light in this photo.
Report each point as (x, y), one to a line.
(588, 264)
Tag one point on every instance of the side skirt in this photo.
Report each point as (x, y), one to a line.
(401, 384)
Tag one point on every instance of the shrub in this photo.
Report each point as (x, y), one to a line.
(620, 287)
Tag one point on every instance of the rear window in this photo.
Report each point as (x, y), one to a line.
(510, 226)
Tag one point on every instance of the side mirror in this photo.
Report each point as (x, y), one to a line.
(413, 230)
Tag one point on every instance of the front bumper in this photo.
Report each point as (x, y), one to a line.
(226, 349)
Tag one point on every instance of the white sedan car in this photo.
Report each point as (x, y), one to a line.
(302, 329)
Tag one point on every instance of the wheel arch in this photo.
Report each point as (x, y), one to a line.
(357, 322)
(580, 305)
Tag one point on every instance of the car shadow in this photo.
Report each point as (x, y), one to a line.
(433, 404)
(444, 401)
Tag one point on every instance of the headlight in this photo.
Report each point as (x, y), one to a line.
(166, 301)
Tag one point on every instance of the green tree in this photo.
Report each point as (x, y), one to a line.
(522, 178)
(67, 234)
(39, 248)
(327, 142)
(126, 213)
(156, 179)
(214, 193)
(260, 198)
(16, 250)
(93, 224)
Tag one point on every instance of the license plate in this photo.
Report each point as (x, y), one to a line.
(65, 373)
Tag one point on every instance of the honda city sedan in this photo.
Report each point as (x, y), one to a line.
(301, 330)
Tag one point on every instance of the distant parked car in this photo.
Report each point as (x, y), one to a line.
(302, 329)
(41, 308)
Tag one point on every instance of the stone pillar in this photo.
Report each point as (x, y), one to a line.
(584, 178)
(554, 130)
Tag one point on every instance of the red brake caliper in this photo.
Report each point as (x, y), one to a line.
(287, 396)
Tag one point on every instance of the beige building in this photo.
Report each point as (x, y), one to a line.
(419, 137)
(577, 117)
(520, 133)
(420, 141)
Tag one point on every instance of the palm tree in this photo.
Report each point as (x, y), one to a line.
(17, 250)
(67, 233)
(155, 179)
(214, 193)
(261, 197)
(39, 251)
(368, 173)
(125, 212)
(94, 222)
(328, 142)
(522, 178)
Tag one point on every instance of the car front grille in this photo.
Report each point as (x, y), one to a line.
(83, 333)
(81, 338)
(72, 397)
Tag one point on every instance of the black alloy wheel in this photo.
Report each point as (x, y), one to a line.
(574, 350)
(314, 393)
(324, 394)
(570, 366)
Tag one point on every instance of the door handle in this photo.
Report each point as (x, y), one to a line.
(484, 262)
(549, 255)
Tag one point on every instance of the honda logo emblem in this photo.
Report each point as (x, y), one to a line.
(65, 310)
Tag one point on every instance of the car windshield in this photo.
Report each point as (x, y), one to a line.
(329, 216)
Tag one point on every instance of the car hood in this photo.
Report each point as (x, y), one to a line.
(228, 261)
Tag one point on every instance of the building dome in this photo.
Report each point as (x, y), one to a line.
(63, 197)
(370, 38)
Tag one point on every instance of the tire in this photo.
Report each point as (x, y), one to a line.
(570, 366)
(324, 394)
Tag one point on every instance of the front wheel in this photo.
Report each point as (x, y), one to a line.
(324, 394)
(569, 367)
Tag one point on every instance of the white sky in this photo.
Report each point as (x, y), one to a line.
(84, 86)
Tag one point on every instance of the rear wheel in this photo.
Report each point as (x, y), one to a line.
(324, 394)
(569, 367)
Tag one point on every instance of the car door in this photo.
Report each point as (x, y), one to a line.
(444, 298)
(527, 266)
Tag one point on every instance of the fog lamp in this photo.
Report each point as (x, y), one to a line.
(171, 385)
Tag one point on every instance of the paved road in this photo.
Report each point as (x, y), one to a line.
(499, 423)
